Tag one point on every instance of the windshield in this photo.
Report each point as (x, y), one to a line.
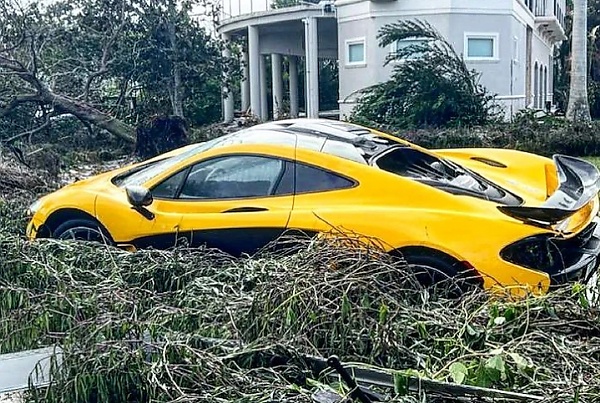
(138, 177)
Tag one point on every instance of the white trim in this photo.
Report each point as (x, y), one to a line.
(494, 36)
(435, 11)
(346, 2)
(509, 97)
(497, 97)
(355, 41)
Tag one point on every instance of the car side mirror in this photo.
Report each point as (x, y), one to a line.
(139, 196)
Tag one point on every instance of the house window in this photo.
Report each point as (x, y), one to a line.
(481, 46)
(402, 44)
(356, 52)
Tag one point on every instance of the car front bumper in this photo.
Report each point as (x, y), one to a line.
(33, 227)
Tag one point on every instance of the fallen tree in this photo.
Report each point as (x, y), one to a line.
(111, 64)
(34, 62)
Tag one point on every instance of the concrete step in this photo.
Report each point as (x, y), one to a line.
(17, 369)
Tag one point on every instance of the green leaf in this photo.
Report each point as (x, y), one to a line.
(401, 382)
(458, 372)
(522, 362)
(472, 331)
(383, 313)
(496, 368)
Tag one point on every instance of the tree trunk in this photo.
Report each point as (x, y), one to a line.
(177, 90)
(578, 109)
(91, 115)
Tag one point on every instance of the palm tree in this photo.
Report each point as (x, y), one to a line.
(578, 108)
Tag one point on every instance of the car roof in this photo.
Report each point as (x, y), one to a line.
(336, 138)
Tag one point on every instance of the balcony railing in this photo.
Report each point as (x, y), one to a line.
(234, 8)
(547, 8)
(549, 17)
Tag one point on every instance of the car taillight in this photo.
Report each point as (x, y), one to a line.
(537, 252)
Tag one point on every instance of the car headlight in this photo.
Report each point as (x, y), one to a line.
(34, 207)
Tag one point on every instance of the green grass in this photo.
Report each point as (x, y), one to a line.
(594, 160)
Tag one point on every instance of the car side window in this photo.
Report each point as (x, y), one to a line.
(233, 177)
(311, 179)
(168, 188)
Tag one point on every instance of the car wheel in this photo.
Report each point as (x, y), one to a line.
(441, 273)
(82, 230)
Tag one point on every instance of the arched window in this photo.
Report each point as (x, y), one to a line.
(541, 102)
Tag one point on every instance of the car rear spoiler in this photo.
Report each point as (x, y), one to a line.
(578, 184)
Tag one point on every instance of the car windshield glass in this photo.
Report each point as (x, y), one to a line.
(140, 177)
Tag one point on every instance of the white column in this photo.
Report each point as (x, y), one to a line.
(277, 78)
(294, 107)
(245, 84)
(228, 105)
(312, 67)
(264, 103)
(254, 69)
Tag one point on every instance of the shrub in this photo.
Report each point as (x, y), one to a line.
(528, 132)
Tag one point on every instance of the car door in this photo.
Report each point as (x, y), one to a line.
(322, 199)
(231, 202)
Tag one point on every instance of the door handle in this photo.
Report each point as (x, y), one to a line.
(246, 210)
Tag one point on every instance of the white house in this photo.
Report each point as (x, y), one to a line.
(511, 42)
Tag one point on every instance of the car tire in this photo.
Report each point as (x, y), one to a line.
(441, 273)
(83, 230)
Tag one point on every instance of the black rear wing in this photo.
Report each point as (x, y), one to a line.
(578, 184)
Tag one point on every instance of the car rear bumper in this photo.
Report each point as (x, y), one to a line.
(583, 256)
(562, 260)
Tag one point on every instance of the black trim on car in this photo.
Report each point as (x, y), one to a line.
(563, 259)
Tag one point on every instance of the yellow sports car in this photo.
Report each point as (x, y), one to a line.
(513, 219)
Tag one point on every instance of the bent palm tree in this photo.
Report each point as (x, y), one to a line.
(578, 108)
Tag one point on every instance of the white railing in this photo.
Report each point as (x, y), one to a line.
(233, 8)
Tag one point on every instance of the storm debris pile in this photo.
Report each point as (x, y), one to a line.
(133, 326)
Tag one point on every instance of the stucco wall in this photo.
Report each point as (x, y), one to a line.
(506, 18)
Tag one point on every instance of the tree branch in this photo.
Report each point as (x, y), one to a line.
(104, 61)
(30, 132)
(18, 100)
(21, 71)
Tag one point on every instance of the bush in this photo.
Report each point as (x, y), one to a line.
(540, 135)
